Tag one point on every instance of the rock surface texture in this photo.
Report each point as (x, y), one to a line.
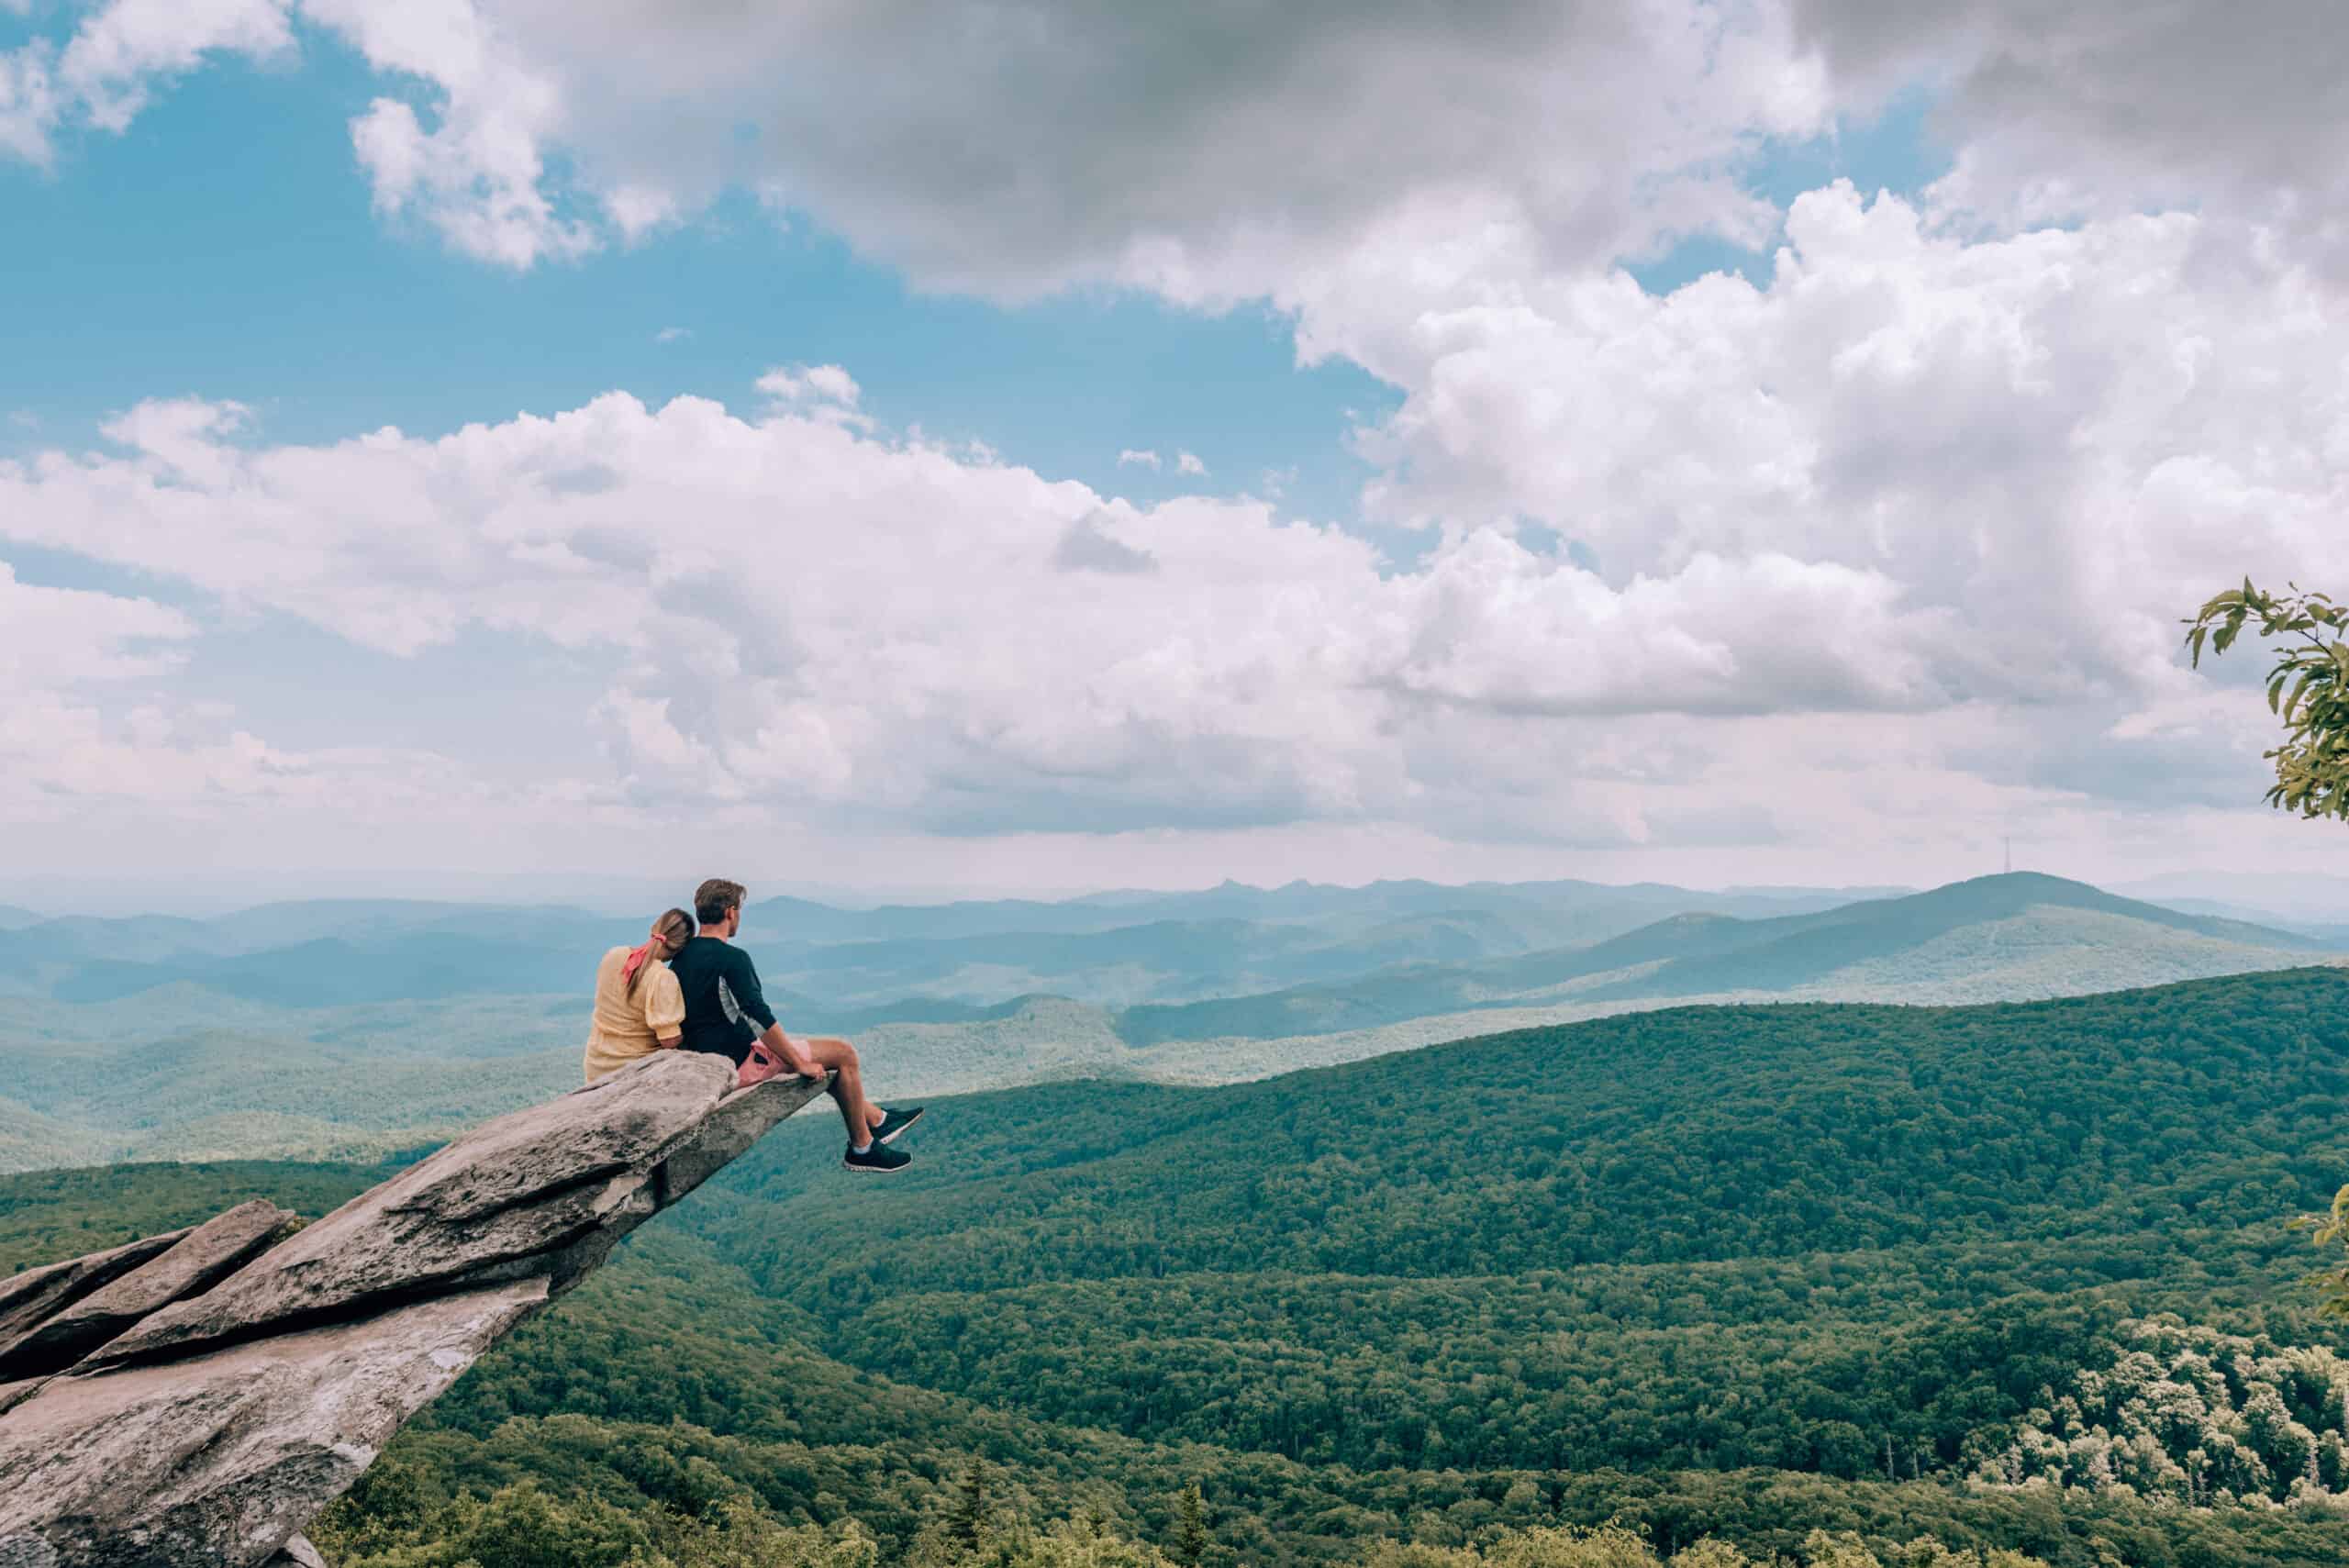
(195, 1399)
(193, 1263)
(37, 1294)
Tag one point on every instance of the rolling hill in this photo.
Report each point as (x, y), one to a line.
(2017, 935)
(391, 1024)
(1599, 906)
(1778, 1236)
(861, 965)
(1706, 1271)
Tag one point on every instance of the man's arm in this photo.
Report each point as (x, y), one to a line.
(794, 1056)
(744, 979)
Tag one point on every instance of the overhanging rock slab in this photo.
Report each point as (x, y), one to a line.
(224, 1457)
(212, 1428)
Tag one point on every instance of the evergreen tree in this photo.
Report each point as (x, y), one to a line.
(967, 1523)
(1191, 1528)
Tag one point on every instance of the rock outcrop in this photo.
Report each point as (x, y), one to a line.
(191, 1265)
(33, 1296)
(195, 1399)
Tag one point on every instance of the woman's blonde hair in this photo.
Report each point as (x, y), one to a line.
(672, 931)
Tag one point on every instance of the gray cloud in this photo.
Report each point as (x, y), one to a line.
(1085, 548)
(2103, 104)
(1013, 149)
(585, 479)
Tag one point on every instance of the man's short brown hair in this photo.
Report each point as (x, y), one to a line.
(713, 898)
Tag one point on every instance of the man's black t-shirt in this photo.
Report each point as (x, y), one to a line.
(725, 1009)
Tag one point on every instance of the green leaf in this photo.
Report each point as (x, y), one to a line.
(2211, 606)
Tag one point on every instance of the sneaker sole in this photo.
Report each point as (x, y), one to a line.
(872, 1170)
(893, 1138)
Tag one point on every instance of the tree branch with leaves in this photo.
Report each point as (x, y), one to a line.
(2308, 687)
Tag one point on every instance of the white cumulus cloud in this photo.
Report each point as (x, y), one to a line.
(811, 383)
(96, 733)
(810, 617)
(102, 74)
(2067, 438)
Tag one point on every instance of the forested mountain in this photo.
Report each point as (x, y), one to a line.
(2021, 934)
(185, 1073)
(389, 1023)
(865, 964)
(1712, 1271)
(1752, 1186)
(1346, 955)
(1592, 907)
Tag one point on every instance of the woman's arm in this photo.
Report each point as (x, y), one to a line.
(664, 1008)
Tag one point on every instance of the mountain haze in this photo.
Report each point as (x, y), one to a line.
(2017, 935)
(348, 1028)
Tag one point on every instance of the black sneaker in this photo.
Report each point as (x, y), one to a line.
(893, 1123)
(876, 1158)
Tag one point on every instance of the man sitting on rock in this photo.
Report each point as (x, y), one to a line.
(727, 1015)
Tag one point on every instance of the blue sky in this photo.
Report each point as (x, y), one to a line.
(224, 247)
(1534, 572)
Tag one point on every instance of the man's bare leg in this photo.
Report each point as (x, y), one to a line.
(861, 1114)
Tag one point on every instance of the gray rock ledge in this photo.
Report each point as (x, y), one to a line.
(233, 1395)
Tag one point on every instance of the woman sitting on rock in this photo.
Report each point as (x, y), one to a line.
(638, 1009)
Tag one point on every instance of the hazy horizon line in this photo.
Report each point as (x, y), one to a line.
(184, 895)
